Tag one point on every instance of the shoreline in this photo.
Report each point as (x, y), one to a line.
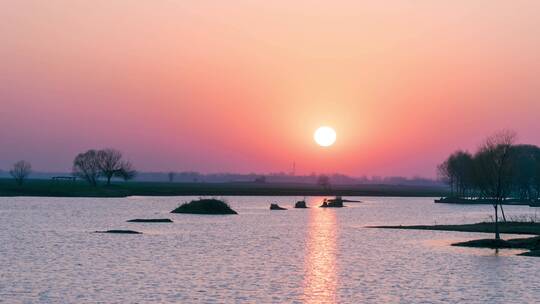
(483, 227)
(49, 188)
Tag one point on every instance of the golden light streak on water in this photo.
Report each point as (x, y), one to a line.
(321, 273)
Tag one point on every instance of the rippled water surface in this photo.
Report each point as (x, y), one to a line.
(48, 254)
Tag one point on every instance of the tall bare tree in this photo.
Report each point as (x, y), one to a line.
(111, 165)
(171, 176)
(86, 166)
(493, 163)
(20, 171)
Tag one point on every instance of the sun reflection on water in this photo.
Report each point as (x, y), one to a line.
(320, 267)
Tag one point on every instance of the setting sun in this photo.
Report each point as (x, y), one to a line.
(325, 136)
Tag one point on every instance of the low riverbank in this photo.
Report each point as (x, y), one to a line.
(487, 227)
(466, 201)
(50, 188)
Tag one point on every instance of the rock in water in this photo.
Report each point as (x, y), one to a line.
(119, 231)
(276, 207)
(300, 204)
(333, 203)
(205, 206)
(164, 220)
(485, 243)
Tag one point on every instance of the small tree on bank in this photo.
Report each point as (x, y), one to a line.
(495, 170)
(20, 171)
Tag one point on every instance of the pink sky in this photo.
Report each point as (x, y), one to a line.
(240, 86)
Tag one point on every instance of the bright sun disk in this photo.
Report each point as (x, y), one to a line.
(325, 136)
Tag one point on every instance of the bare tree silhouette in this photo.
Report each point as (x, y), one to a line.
(20, 171)
(493, 163)
(86, 166)
(111, 165)
(127, 172)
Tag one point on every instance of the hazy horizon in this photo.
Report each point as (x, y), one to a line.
(271, 177)
(240, 86)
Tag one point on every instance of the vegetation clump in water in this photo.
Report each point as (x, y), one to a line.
(276, 207)
(333, 203)
(205, 206)
(300, 204)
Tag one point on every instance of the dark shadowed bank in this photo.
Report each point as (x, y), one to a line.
(63, 188)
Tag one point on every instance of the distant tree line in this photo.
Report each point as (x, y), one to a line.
(498, 169)
(283, 177)
(89, 166)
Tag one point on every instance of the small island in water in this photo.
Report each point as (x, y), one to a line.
(119, 231)
(205, 206)
(160, 220)
(301, 204)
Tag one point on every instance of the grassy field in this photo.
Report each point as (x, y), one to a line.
(35, 187)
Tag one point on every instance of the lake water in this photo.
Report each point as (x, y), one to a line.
(48, 254)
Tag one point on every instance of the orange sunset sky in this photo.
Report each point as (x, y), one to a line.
(240, 86)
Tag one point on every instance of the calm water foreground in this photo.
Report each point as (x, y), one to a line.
(49, 255)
